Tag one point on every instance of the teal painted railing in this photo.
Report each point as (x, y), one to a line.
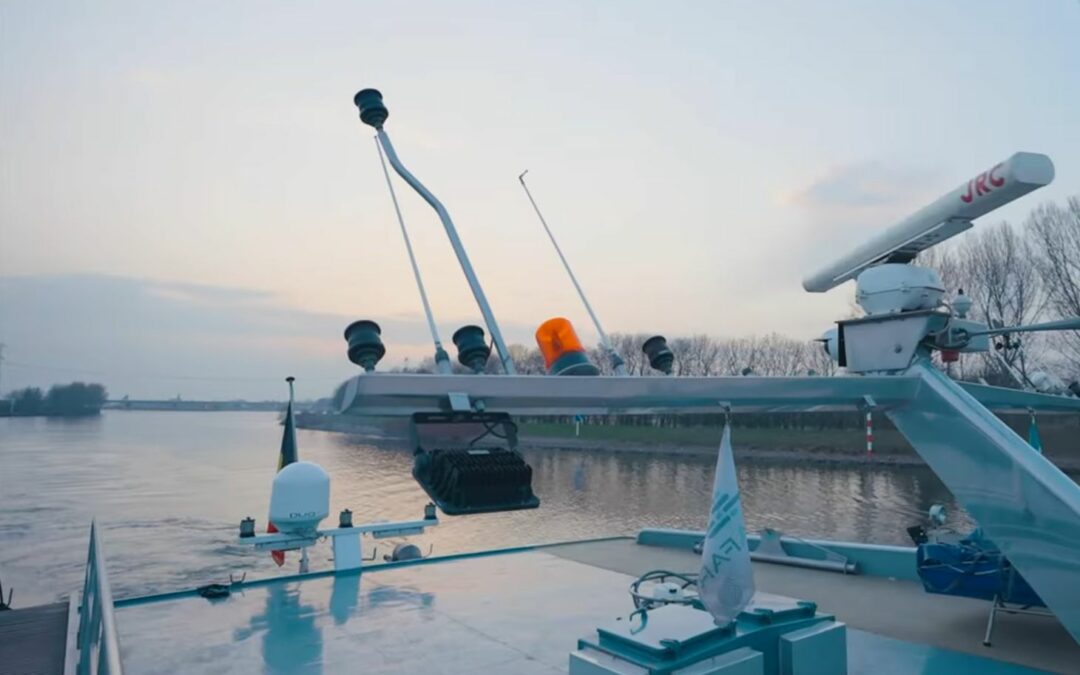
(98, 644)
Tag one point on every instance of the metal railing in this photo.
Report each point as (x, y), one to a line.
(98, 645)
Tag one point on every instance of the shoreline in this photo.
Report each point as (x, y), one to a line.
(753, 453)
(784, 451)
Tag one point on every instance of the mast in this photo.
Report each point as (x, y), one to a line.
(374, 113)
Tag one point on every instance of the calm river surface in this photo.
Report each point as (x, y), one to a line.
(169, 490)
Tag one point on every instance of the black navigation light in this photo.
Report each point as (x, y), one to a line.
(473, 349)
(372, 110)
(365, 343)
(247, 527)
(660, 357)
(345, 519)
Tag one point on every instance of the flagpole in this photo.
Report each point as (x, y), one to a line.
(726, 580)
(290, 423)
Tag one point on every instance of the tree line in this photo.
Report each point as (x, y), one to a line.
(67, 400)
(1017, 274)
(1013, 274)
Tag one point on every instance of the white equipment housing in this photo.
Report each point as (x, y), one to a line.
(948, 216)
(300, 498)
(1047, 383)
(898, 287)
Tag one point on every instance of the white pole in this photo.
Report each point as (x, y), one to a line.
(869, 433)
(616, 361)
(459, 250)
(442, 360)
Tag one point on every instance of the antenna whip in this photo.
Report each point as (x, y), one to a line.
(616, 360)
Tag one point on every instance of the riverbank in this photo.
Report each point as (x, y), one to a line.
(843, 447)
(83, 413)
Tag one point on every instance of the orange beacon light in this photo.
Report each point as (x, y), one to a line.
(562, 350)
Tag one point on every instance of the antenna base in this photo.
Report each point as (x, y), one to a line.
(897, 287)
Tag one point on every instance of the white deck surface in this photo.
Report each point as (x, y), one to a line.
(523, 612)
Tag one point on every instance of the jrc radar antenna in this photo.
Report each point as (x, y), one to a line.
(903, 301)
(941, 220)
(617, 363)
(374, 113)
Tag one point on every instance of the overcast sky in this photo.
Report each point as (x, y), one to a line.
(189, 204)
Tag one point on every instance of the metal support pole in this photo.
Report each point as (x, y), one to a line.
(459, 250)
(442, 359)
(616, 361)
(869, 433)
(869, 401)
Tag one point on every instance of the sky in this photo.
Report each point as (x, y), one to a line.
(190, 206)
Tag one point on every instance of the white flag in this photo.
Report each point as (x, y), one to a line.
(726, 582)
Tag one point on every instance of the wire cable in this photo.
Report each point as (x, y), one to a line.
(408, 247)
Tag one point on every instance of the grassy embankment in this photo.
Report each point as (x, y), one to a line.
(836, 441)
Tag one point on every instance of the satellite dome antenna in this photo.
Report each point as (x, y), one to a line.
(374, 113)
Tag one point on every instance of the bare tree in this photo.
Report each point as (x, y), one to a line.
(703, 352)
(1005, 285)
(629, 347)
(947, 262)
(1056, 233)
(818, 360)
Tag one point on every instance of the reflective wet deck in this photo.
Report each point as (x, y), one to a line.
(518, 612)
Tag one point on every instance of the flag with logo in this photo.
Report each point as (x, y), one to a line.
(726, 581)
(1033, 434)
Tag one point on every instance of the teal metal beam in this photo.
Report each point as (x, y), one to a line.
(381, 394)
(1022, 502)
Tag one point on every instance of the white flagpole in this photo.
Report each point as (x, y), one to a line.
(726, 581)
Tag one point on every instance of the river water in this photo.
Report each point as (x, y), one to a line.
(168, 490)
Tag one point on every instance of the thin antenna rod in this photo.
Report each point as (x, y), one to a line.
(459, 249)
(442, 359)
(616, 361)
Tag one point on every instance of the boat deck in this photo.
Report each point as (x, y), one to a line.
(523, 611)
(33, 640)
(895, 608)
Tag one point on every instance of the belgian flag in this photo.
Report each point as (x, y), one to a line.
(286, 457)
